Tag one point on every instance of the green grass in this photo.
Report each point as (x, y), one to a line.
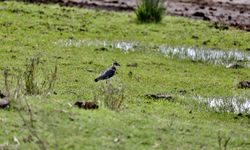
(150, 11)
(27, 30)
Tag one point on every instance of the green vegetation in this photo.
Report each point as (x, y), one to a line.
(110, 95)
(37, 122)
(32, 86)
(150, 11)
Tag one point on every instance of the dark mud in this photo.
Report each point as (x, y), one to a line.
(244, 84)
(159, 96)
(230, 12)
(117, 5)
(86, 105)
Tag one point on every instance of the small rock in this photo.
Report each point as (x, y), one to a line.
(4, 103)
(202, 7)
(244, 84)
(194, 37)
(159, 96)
(16, 140)
(234, 66)
(213, 9)
(240, 115)
(132, 65)
(190, 112)
(182, 92)
(201, 15)
(90, 105)
(71, 119)
(101, 49)
(205, 42)
(86, 105)
(89, 70)
(79, 104)
(116, 140)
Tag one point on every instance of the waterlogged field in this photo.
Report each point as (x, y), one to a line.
(186, 59)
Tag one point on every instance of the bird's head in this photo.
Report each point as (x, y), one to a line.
(115, 63)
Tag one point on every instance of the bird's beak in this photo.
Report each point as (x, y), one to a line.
(118, 64)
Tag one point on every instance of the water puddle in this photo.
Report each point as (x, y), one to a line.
(217, 57)
(122, 45)
(236, 104)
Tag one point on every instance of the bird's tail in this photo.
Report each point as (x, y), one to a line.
(96, 80)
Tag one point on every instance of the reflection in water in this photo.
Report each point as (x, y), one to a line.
(207, 55)
(124, 46)
(217, 57)
(236, 104)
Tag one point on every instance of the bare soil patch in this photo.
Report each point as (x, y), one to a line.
(230, 12)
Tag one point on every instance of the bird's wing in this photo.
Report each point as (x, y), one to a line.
(107, 74)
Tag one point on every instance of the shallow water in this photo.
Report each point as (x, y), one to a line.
(217, 57)
(236, 104)
(124, 46)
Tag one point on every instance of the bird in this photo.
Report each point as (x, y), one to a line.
(108, 73)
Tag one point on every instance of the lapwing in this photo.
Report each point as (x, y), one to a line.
(110, 72)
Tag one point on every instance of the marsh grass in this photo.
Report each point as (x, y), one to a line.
(150, 11)
(110, 95)
(29, 81)
(19, 85)
(12, 84)
(32, 85)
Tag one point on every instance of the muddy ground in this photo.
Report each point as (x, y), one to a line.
(231, 12)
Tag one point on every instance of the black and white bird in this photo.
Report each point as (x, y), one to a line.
(110, 72)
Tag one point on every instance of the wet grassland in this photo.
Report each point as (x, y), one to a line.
(197, 64)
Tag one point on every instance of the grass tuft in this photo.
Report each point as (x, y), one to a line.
(150, 11)
(111, 96)
(29, 81)
(32, 86)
